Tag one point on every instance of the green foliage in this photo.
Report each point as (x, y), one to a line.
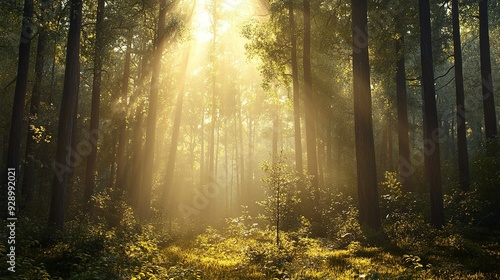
(282, 196)
(341, 216)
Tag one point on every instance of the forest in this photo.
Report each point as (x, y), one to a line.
(250, 139)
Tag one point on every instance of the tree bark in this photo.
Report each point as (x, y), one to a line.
(147, 179)
(96, 104)
(296, 94)
(369, 213)
(490, 120)
(432, 159)
(29, 173)
(312, 161)
(463, 157)
(21, 86)
(63, 163)
(121, 162)
(405, 166)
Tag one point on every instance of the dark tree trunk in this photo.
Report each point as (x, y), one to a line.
(405, 166)
(63, 163)
(369, 213)
(463, 157)
(121, 162)
(96, 101)
(21, 86)
(138, 158)
(147, 179)
(490, 120)
(296, 97)
(29, 173)
(137, 155)
(432, 159)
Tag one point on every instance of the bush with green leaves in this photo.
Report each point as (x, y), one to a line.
(282, 196)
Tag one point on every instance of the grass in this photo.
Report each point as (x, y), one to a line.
(216, 255)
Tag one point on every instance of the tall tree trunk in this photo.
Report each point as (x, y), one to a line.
(172, 155)
(490, 120)
(21, 86)
(138, 158)
(432, 159)
(296, 95)
(312, 161)
(96, 104)
(213, 123)
(121, 162)
(63, 165)
(369, 213)
(463, 157)
(405, 166)
(29, 174)
(147, 179)
(137, 154)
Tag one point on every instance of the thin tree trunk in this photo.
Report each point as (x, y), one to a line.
(147, 179)
(369, 213)
(62, 164)
(96, 104)
(121, 161)
(490, 120)
(312, 161)
(296, 95)
(432, 159)
(20, 90)
(138, 158)
(405, 166)
(29, 174)
(463, 157)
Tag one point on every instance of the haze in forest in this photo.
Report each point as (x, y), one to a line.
(250, 139)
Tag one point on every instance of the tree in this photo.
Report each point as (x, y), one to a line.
(63, 164)
(405, 165)
(147, 178)
(312, 161)
(122, 121)
(369, 213)
(490, 120)
(296, 94)
(21, 85)
(463, 158)
(96, 103)
(432, 161)
(36, 92)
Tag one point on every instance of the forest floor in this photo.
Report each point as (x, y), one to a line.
(253, 254)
